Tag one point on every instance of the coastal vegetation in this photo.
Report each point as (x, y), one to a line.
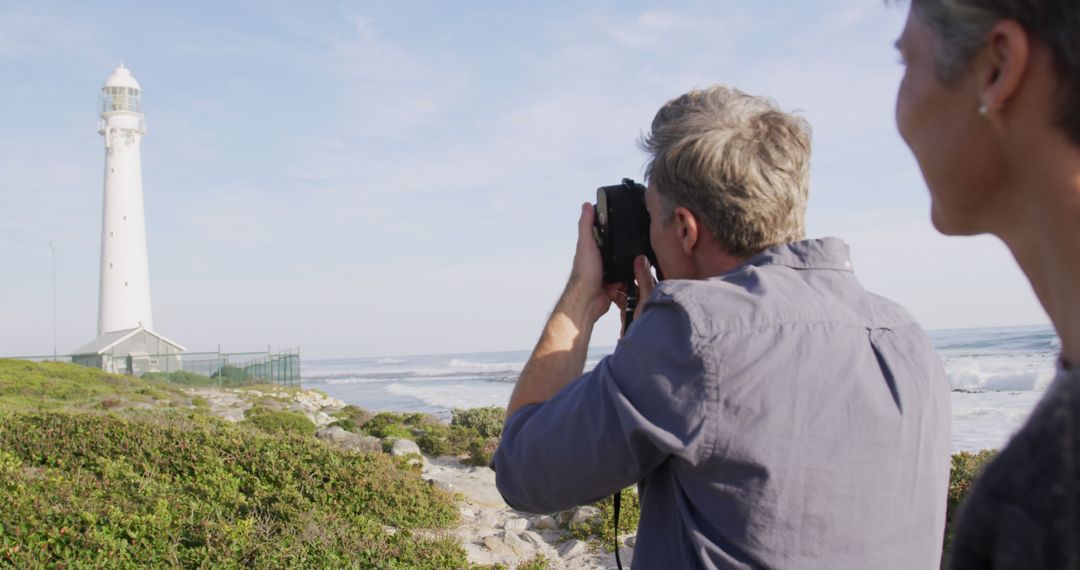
(966, 467)
(104, 470)
(472, 435)
(99, 469)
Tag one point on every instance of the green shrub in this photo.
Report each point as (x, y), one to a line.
(180, 377)
(38, 386)
(600, 530)
(280, 421)
(441, 439)
(85, 490)
(420, 419)
(396, 431)
(352, 418)
(966, 467)
(382, 421)
(488, 422)
(481, 451)
(538, 562)
(230, 375)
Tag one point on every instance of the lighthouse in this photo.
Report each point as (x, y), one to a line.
(124, 295)
(126, 341)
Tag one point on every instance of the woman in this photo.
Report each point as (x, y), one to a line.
(990, 106)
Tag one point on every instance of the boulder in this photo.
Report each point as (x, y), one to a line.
(348, 440)
(544, 523)
(573, 548)
(497, 546)
(517, 544)
(577, 516)
(535, 539)
(404, 447)
(515, 525)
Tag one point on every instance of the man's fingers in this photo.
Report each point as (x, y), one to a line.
(585, 222)
(643, 276)
(645, 281)
(616, 292)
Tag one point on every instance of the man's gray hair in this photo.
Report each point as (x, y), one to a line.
(737, 162)
(961, 27)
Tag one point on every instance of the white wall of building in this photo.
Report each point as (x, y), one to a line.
(124, 296)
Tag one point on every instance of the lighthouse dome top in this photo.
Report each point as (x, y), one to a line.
(121, 77)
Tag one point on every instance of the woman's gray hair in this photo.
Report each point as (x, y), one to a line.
(962, 26)
(738, 162)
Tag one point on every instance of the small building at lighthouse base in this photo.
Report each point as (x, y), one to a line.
(131, 351)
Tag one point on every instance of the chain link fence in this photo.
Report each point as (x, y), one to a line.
(197, 368)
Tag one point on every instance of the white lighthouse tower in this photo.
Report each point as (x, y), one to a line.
(124, 301)
(126, 341)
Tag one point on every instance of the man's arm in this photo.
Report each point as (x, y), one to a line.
(559, 356)
(608, 429)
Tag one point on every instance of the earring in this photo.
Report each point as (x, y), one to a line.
(983, 109)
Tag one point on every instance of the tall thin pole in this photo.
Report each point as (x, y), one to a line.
(53, 300)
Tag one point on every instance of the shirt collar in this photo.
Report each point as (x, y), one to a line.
(821, 253)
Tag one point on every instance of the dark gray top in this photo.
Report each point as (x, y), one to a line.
(1024, 511)
(775, 416)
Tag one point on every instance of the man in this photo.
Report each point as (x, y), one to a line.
(773, 412)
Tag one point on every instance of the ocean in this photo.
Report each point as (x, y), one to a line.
(997, 376)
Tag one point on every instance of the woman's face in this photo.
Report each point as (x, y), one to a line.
(949, 138)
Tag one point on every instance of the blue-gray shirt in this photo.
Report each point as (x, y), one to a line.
(777, 415)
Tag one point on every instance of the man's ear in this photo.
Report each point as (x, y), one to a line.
(687, 225)
(1003, 65)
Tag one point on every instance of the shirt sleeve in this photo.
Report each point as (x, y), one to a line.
(644, 404)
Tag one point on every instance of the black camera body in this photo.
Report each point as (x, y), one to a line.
(621, 229)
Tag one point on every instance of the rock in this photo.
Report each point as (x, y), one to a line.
(535, 539)
(515, 542)
(467, 513)
(630, 541)
(486, 519)
(581, 515)
(331, 433)
(348, 440)
(572, 548)
(497, 546)
(544, 523)
(322, 419)
(515, 525)
(444, 486)
(404, 447)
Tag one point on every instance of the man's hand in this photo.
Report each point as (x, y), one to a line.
(559, 356)
(586, 288)
(645, 283)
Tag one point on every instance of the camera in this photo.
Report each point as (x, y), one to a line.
(621, 229)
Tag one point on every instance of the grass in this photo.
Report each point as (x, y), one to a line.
(280, 421)
(89, 478)
(56, 386)
(190, 490)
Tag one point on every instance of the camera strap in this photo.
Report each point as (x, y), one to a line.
(631, 305)
(615, 508)
(616, 499)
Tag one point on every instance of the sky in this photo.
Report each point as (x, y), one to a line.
(391, 178)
